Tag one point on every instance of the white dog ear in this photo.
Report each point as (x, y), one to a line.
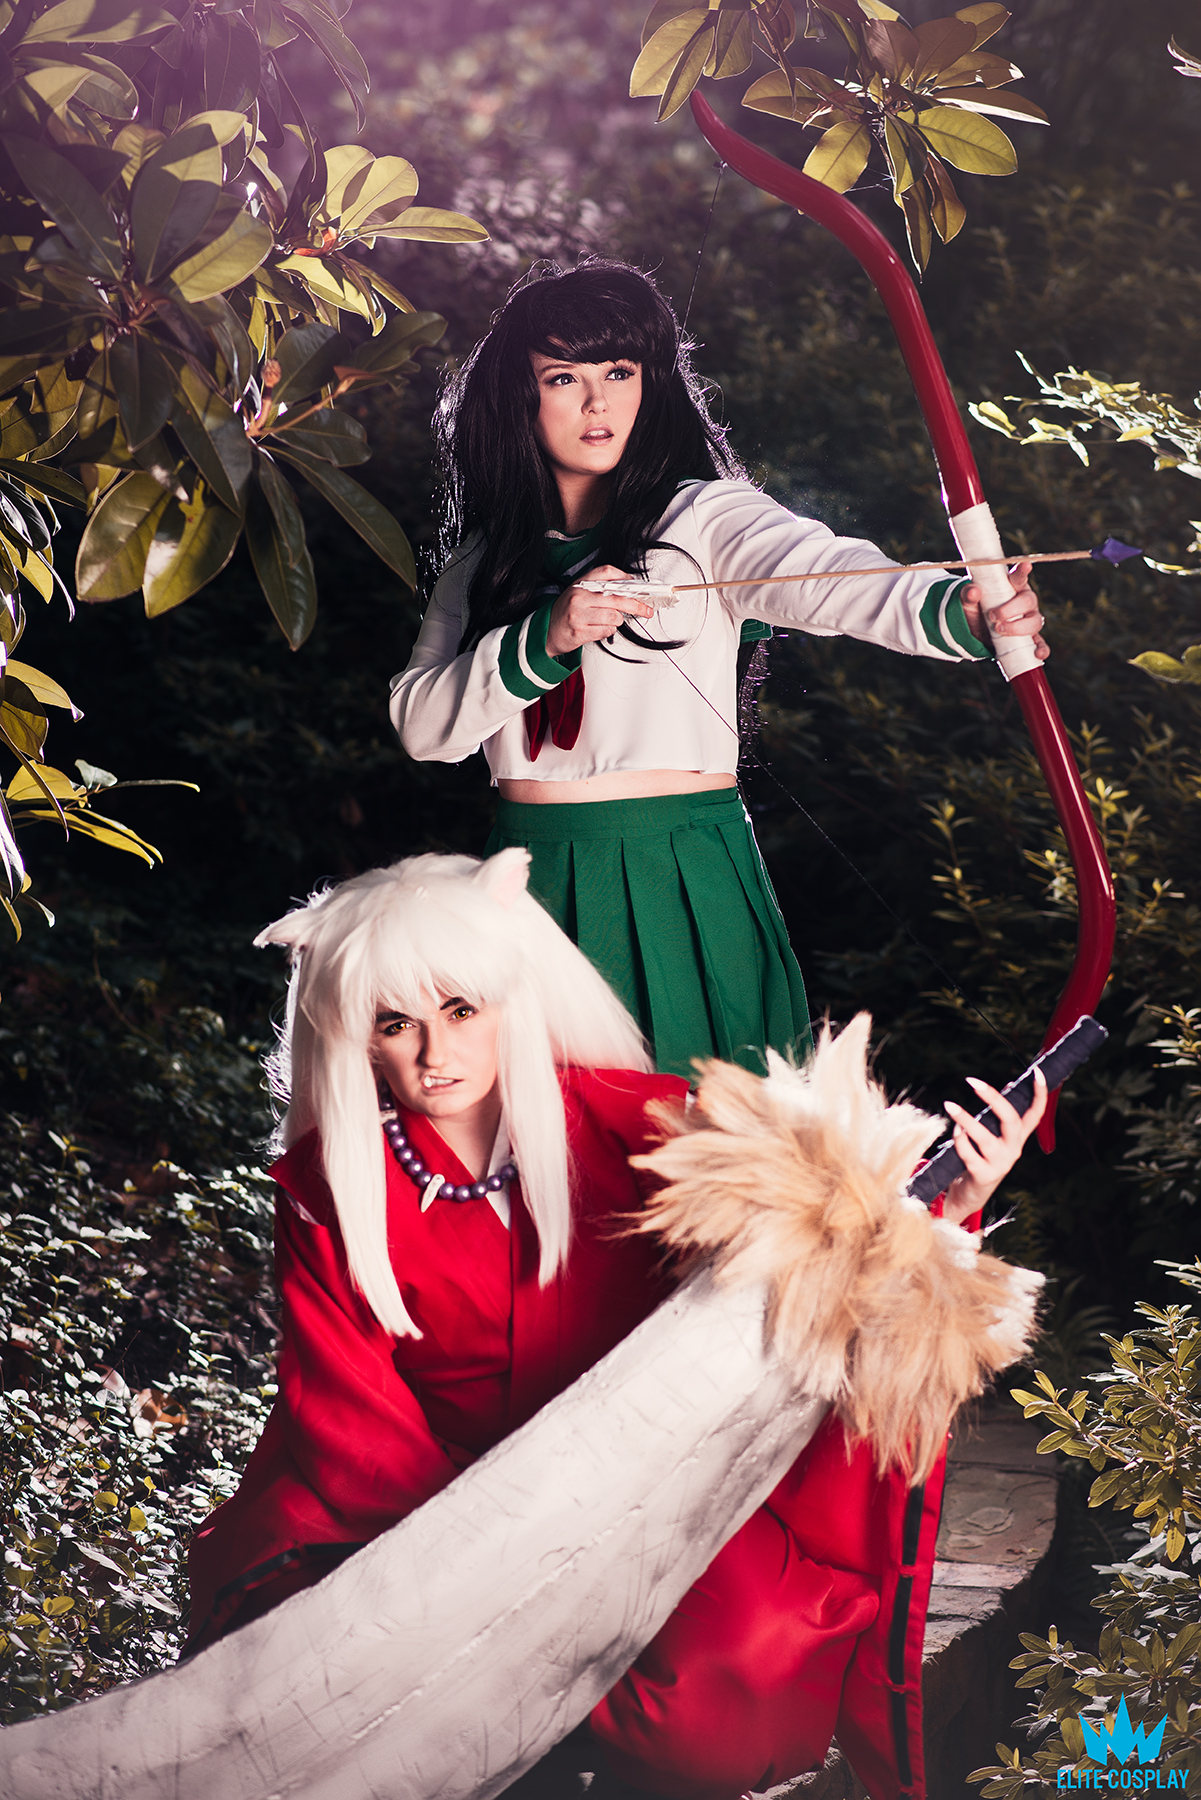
(504, 876)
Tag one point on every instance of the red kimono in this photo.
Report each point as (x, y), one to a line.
(809, 1620)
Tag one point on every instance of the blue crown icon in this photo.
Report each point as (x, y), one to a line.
(1119, 1737)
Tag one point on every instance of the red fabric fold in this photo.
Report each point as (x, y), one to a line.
(561, 712)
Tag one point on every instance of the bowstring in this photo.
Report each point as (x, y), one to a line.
(766, 769)
(696, 273)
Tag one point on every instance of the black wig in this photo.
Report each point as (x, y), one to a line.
(497, 480)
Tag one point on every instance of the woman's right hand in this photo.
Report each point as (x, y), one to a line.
(579, 617)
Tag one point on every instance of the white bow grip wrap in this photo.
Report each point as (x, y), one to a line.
(979, 541)
(447, 1657)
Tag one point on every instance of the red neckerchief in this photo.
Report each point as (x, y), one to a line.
(561, 712)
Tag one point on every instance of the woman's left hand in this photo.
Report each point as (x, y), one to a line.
(988, 1159)
(1018, 617)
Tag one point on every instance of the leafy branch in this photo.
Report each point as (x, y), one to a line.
(918, 97)
(182, 310)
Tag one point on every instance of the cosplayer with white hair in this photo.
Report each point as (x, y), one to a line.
(452, 1269)
(437, 925)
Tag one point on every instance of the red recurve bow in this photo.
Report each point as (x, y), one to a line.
(976, 534)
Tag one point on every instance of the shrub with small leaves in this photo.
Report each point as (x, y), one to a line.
(102, 1483)
(1143, 1439)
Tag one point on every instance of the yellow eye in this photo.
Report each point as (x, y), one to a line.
(463, 1012)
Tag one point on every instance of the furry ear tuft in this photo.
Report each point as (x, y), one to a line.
(797, 1180)
(505, 875)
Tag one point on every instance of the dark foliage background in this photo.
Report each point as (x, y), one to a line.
(134, 1028)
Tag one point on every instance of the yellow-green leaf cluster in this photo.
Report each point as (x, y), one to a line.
(920, 97)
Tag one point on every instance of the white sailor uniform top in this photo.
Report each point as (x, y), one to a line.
(655, 710)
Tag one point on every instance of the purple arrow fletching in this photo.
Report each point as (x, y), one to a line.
(1113, 551)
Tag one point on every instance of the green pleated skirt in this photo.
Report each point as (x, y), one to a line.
(670, 900)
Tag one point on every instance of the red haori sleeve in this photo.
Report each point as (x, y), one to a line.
(355, 1431)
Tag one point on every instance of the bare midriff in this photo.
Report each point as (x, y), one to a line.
(619, 784)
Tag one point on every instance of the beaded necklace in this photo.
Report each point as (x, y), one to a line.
(435, 1188)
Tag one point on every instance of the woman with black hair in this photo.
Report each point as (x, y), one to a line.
(576, 442)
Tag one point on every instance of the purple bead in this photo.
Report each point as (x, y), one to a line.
(462, 1193)
(478, 1189)
(494, 1183)
(418, 1172)
(446, 1191)
(406, 1156)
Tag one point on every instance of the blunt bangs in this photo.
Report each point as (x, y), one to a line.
(597, 314)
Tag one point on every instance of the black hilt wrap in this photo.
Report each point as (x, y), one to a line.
(1061, 1060)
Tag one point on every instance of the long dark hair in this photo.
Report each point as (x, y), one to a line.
(496, 479)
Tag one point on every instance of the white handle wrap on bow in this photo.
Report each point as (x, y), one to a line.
(979, 541)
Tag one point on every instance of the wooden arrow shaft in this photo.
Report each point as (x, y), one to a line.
(1048, 556)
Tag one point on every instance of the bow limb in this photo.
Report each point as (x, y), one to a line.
(976, 534)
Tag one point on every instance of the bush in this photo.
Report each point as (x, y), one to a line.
(136, 1378)
(1142, 1438)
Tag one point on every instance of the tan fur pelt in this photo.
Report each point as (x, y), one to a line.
(798, 1180)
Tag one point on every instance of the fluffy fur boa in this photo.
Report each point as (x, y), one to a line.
(797, 1180)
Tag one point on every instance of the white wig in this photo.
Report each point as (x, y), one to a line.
(430, 926)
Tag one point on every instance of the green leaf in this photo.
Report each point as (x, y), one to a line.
(53, 482)
(214, 436)
(431, 225)
(986, 20)
(97, 22)
(323, 277)
(144, 383)
(229, 259)
(43, 687)
(947, 211)
(137, 143)
(900, 161)
(275, 539)
(112, 553)
(661, 53)
(892, 47)
(231, 63)
(342, 163)
(327, 433)
(107, 89)
(361, 510)
(12, 865)
(55, 84)
(967, 141)
(733, 47)
(118, 837)
(71, 201)
(231, 337)
(306, 355)
(1155, 662)
(174, 197)
(840, 156)
(22, 721)
(192, 543)
(381, 188)
(336, 47)
(988, 100)
(395, 344)
(687, 72)
(772, 93)
(940, 42)
(661, 12)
